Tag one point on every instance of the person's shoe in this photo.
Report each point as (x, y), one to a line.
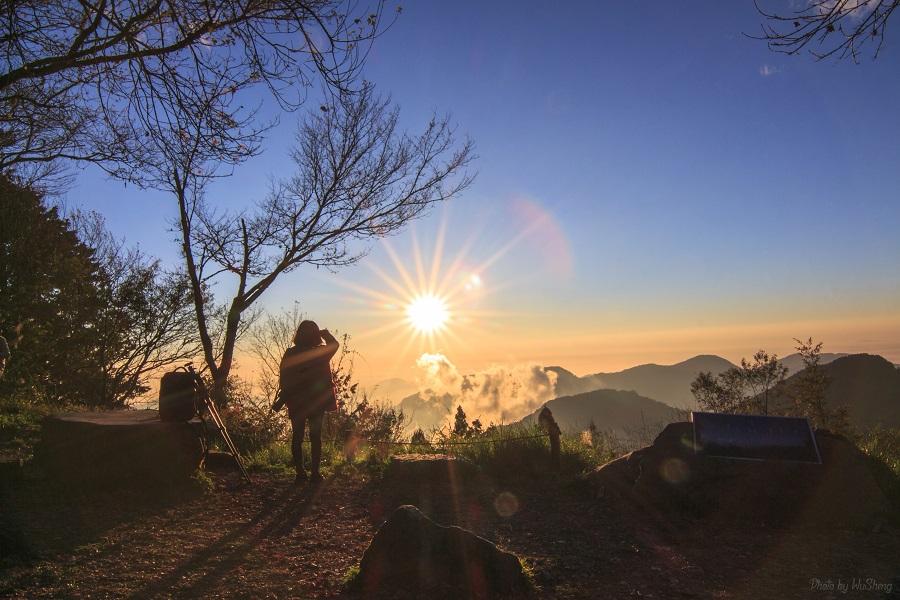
(301, 477)
(316, 477)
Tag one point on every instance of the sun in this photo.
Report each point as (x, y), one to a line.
(424, 307)
(427, 313)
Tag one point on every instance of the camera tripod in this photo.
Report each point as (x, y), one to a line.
(216, 418)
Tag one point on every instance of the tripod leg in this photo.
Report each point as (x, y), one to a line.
(223, 431)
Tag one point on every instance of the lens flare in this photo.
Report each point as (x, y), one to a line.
(427, 313)
(438, 303)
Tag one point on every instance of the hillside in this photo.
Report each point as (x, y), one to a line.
(620, 412)
(794, 362)
(868, 385)
(666, 383)
(570, 384)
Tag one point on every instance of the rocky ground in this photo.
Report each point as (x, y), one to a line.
(274, 540)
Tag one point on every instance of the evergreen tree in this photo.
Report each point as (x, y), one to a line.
(49, 301)
(460, 423)
(89, 320)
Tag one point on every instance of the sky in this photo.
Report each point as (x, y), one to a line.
(651, 185)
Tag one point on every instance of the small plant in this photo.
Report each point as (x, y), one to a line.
(202, 480)
(351, 576)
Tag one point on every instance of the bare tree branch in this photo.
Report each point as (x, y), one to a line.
(358, 177)
(89, 80)
(828, 28)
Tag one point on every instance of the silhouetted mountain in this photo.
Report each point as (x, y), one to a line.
(670, 384)
(794, 362)
(868, 385)
(622, 413)
(427, 413)
(569, 384)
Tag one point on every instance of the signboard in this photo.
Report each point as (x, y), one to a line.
(754, 437)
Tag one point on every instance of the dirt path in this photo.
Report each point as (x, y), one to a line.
(275, 540)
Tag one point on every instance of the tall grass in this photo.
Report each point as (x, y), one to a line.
(504, 452)
(883, 446)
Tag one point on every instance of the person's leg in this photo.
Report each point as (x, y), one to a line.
(298, 427)
(315, 439)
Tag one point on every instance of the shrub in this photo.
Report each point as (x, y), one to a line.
(20, 426)
(883, 446)
(250, 421)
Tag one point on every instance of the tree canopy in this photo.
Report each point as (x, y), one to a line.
(88, 322)
(93, 80)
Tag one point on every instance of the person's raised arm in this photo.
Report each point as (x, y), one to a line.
(331, 344)
(316, 353)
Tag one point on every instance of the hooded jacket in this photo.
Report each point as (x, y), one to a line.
(305, 377)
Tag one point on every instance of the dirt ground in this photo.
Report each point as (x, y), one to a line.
(276, 540)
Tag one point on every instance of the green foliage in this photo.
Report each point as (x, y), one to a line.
(87, 320)
(523, 451)
(252, 424)
(49, 283)
(20, 426)
(528, 571)
(460, 423)
(808, 388)
(202, 481)
(883, 446)
(275, 457)
(744, 389)
(351, 576)
(418, 438)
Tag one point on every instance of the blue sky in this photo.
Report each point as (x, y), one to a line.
(703, 194)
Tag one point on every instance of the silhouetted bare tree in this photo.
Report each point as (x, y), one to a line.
(358, 177)
(829, 28)
(90, 80)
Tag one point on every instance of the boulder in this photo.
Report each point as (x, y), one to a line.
(668, 479)
(412, 556)
(119, 447)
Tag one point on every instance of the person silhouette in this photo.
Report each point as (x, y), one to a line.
(307, 389)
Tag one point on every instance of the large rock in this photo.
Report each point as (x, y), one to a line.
(119, 447)
(668, 479)
(412, 556)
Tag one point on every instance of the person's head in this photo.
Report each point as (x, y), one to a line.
(308, 335)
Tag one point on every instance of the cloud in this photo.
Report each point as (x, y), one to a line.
(498, 394)
(767, 70)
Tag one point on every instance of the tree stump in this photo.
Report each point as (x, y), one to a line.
(444, 487)
(119, 448)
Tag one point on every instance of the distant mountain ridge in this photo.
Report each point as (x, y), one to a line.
(794, 362)
(670, 384)
(867, 385)
(619, 412)
(666, 384)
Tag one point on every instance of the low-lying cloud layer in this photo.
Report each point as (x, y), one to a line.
(499, 394)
